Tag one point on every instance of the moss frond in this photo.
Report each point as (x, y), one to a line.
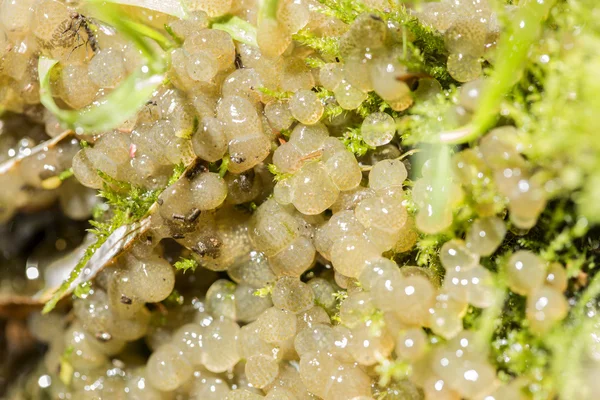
(186, 264)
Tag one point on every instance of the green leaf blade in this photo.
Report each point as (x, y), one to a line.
(109, 112)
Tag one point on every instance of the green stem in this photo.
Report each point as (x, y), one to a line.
(524, 29)
(591, 292)
(240, 30)
(268, 9)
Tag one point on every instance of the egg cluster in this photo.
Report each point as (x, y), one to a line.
(311, 283)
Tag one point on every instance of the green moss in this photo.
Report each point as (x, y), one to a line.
(264, 291)
(66, 174)
(125, 204)
(175, 299)
(327, 47)
(277, 174)
(275, 94)
(354, 142)
(331, 108)
(186, 264)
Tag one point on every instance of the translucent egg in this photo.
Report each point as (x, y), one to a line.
(417, 295)
(309, 140)
(47, 19)
(106, 69)
(445, 317)
(556, 277)
(167, 368)
(367, 344)
(238, 115)
(279, 115)
(436, 388)
(217, 42)
(121, 297)
(324, 291)
(463, 67)
(78, 90)
(314, 190)
(201, 66)
(208, 191)
(455, 256)
(316, 338)
(249, 306)
(261, 370)
(209, 388)
(16, 15)
(283, 192)
(306, 107)
(384, 213)
(189, 339)
(292, 295)
(272, 38)
(411, 344)
(243, 394)
(344, 170)
(481, 290)
(294, 259)
(386, 174)
(349, 97)
(331, 76)
(545, 306)
(525, 272)
(248, 151)
(152, 279)
(384, 75)
(213, 8)
(351, 254)
(485, 235)
(275, 325)
(466, 36)
(378, 129)
(84, 171)
(220, 344)
(220, 299)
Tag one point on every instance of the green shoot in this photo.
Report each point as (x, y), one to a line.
(389, 370)
(314, 62)
(186, 264)
(275, 94)
(264, 291)
(171, 32)
(524, 29)
(344, 10)
(339, 297)
(278, 175)
(136, 32)
(123, 102)
(427, 118)
(175, 299)
(170, 7)
(66, 174)
(373, 103)
(127, 204)
(178, 170)
(66, 370)
(83, 290)
(224, 166)
(285, 133)
(240, 30)
(354, 142)
(332, 108)
(328, 47)
(112, 111)
(268, 9)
